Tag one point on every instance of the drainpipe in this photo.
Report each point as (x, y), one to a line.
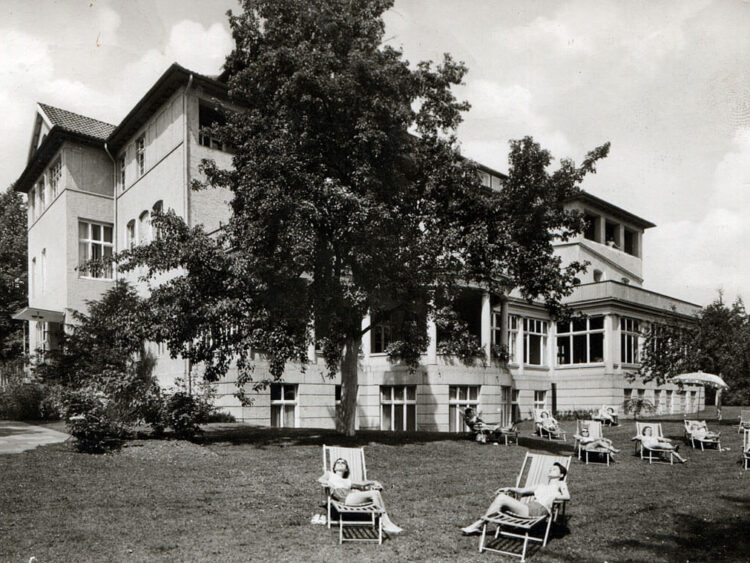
(114, 193)
(186, 202)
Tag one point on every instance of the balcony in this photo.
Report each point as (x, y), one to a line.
(614, 291)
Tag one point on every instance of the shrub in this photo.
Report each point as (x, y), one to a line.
(183, 412)
(29, 401)
(89, 420)
(220, 416)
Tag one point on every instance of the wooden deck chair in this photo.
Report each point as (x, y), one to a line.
(746, 449)
(606, 415)
(540, 415)
(690, 434)
(744, 421)
(355, 457)
(651, 454)
(534, 471)
(595, 431)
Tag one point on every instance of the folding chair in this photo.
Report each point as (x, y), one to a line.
(533, 472)
(692, 428)
(606, 415)
(594, 428)
(651, 454)
(355, 457)
(542, 415)
(744, 421)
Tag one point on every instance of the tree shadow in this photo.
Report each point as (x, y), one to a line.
(698, 538)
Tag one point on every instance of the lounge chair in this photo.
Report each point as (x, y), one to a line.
(607, 415)
(355, 457)
(533, 472)
(595, 431)
(744, 421)
(691, 426)
(651, 454)
(746, 449)
(542, 416)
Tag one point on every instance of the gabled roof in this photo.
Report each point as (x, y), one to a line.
(76, 123)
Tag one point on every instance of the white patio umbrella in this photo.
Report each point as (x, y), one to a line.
(700, 378)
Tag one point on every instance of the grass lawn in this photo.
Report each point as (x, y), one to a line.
(247, 494)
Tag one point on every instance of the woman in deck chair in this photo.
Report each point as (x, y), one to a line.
(651, 442)
(603, 445)
(549, 423)
(544, 497)
(481, 430)
(700, 431)
(343, 490)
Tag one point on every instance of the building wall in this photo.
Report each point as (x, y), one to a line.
(209, 207)
(89, 169)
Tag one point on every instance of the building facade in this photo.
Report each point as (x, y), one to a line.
(93, 186)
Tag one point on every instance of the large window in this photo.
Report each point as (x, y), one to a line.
(535, 341)
(54, 174)
(512, 334)
(540, 400)
(629, 336)
(460, 397)
(283, 405)
(121, 172)
(144, 227)
(398, 407)
(40, 191)
(94, 243)
(580, 341)
(506, 406)
(207, 118)
(380, 338)
(140, 155)
(130, 234)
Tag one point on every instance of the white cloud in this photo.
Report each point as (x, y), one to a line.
(710, 254)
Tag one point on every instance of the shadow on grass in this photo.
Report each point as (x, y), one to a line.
(700, 538)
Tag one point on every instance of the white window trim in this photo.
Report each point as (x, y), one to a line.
(285, 402)
(398, 402)
(101, 242)
(462, 403)
(588, 332)
(544, 340)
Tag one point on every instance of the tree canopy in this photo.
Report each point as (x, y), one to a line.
(718, 342)
(350, 198)
(13, 265)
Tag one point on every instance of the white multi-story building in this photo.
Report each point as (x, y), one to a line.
(91, 190)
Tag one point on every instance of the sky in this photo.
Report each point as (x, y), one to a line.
(667, 83)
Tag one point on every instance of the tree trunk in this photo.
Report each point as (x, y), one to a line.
(349, 371)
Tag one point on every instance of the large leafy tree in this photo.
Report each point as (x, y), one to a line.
(350, 199)
(717, 342)
(13, 266)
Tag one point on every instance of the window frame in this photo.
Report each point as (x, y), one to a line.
(630, 333)
(571, 334)
(108, 271)
(140, 155)
(393, 403)
(540, 403)
(462, 400)
(282, 403)
(121, 172)
(528, 333)
(54, 175)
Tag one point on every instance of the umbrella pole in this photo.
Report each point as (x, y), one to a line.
(718, 404)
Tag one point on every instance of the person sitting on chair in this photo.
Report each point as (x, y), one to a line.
(608, 415)
(700, 431)
(481, 429)
(651, 442)
(545, 495)
(549, 423)
(597, 444)
(342, 489)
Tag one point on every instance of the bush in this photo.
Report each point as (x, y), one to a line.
(89, 421)
(220, 416)
(30, 401)
(182, 413)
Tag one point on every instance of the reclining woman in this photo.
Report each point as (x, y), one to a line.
(597, 444)
(545, 495)
(700, 431)
(651, 442)
(608, 415)
(343, 490)
(549, 423)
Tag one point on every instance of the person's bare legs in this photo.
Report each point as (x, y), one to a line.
(362, 497)
(500, 502)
